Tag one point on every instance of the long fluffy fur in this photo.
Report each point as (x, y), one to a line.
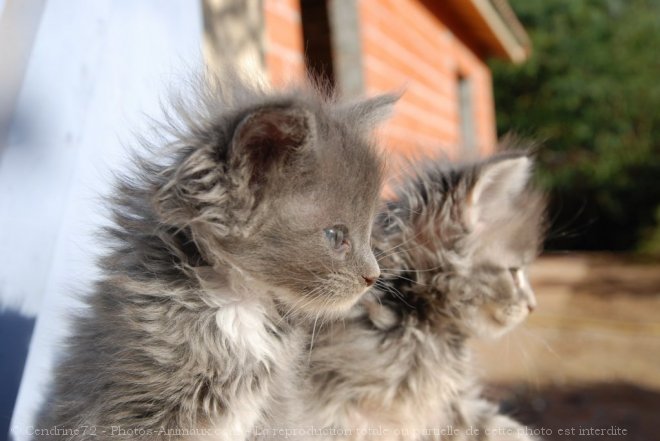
(181, 337)
(399, 367)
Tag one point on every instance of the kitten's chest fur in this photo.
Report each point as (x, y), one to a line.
(266, 349)
(214, 361)
(387, 369)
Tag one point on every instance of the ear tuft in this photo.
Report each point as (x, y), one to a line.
(372, 111)
(496, 188)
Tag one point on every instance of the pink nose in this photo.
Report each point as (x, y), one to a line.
(369, 280)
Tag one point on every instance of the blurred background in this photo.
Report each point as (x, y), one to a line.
(580, 77)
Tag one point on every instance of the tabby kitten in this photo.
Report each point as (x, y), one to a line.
(257, 221)
(453, 247)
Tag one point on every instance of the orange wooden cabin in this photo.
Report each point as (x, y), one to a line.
(435, 51)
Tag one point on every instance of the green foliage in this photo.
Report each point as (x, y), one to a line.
(591, 92)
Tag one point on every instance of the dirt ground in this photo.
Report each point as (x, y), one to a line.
(589, 357)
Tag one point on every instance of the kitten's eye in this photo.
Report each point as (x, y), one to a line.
(336, 237)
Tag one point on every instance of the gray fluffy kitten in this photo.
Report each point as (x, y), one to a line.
(257, 220)
(453, 245)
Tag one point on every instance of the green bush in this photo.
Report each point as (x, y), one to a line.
(591, 93)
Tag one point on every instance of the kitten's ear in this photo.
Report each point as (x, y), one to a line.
(497, 186)
(264, 141)
(372, 111)
(269, 137)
